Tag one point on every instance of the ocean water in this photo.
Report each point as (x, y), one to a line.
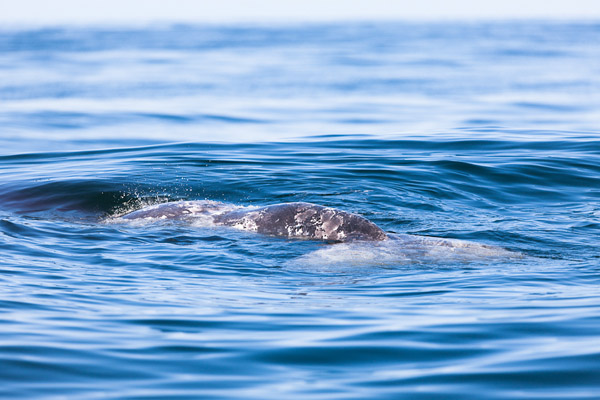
(483, 132)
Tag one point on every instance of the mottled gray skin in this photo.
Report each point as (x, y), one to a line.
(292, 220)
(178, 210)
(303, 220)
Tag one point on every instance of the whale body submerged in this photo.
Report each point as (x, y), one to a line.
(359, 241)
(291, 220)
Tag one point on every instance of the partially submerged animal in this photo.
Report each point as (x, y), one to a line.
(360, 240)
(292, 220)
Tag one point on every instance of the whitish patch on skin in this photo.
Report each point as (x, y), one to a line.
(247, 223)
(330, 222)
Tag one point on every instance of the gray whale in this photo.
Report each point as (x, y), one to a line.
(359, 241)
(291, 220)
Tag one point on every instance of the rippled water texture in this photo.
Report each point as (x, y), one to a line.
(484, 133)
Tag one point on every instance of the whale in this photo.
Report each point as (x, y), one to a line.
(297, 220)
(355, 240)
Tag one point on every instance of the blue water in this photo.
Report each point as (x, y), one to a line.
(484, 132)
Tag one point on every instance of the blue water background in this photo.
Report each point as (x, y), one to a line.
(486, 132)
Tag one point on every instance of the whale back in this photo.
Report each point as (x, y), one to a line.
(303, 220)
(177, 210)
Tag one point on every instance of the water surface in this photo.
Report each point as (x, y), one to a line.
(481, 132)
